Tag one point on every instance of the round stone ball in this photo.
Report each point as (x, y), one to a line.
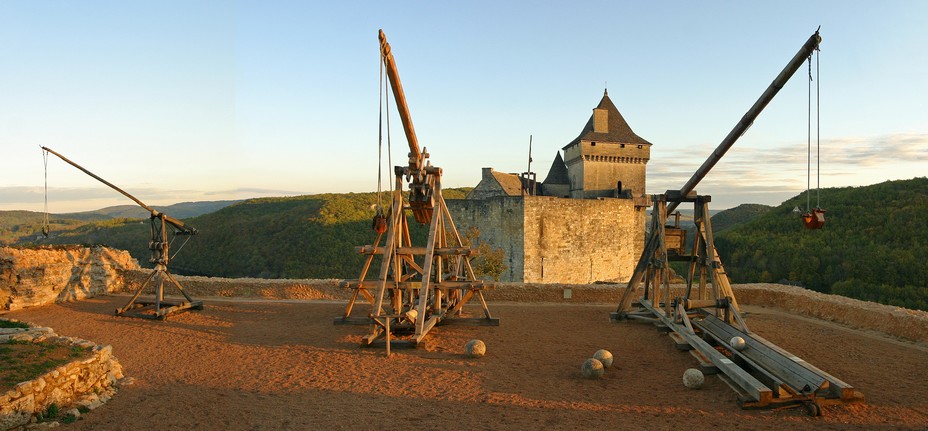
(592, 369)
(604, 356)
(475, 349)
(693, 378)
(737, 343)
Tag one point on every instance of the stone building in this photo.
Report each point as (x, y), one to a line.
(584, 223)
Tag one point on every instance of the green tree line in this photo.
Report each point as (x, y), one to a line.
(871, 247)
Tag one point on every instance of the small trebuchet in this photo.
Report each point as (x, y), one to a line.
(159, 244)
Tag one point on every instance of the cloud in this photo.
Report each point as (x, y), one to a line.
(255, 192)
(772, 174)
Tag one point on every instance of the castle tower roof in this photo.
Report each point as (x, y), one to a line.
(558, 172)
(607, 125)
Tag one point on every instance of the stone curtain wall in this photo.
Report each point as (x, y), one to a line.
(581, 240)
(500, 223)
(83, 383)
(556, 240)
(43, 275)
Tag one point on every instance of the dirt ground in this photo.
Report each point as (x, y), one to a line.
(280, 365)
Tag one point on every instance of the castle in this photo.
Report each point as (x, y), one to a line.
(584, 223)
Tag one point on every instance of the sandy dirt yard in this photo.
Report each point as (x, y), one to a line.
(263, 365)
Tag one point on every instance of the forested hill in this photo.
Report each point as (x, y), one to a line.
(735, 216)
(311, 236)
(872, 246)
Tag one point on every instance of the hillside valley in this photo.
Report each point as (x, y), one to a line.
(868, 249)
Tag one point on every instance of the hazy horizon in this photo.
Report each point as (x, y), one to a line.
(213, 100)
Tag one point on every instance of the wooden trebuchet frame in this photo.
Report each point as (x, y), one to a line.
(706, 318)
(411, 295)
(159, 244)
(158, 307)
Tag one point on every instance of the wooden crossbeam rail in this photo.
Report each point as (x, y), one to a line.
(418, 251)
(445, 285)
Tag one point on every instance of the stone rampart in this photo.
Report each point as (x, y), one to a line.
(894, 321)
(42, 275)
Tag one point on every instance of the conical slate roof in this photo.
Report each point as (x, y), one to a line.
(619, 131)
(558, 172)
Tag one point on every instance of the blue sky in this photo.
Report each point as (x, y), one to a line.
(196, 100)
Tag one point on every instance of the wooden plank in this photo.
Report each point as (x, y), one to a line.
(774, 363)
(840, 388)
(469, 321)
(756, 390)
(680, 342)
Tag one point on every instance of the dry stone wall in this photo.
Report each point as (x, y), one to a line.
(259, 288)
(43, 275)
(82, 384)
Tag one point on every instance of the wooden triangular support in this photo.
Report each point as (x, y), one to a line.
(652, 272)
(417, 288)
(158, 307)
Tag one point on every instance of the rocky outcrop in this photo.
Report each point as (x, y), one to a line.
(80, 385)
(42, 275)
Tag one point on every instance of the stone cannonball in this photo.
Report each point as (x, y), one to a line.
(693, 378)
(737, 343)
(604, 356)
(592, 369)
(475, 349)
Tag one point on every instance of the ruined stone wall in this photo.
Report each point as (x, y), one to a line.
(581, 240)
(499, 220)
(86, 382)
(43, 275)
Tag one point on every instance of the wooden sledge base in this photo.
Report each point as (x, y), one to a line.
(152, 309)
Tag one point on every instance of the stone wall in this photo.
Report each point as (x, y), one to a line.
(82, 384)
(581, 240)
(500, 221)
(43, 275)
(199, 287)
(556, 240)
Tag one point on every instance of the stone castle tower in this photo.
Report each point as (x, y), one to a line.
(607, 160)
(584, 223)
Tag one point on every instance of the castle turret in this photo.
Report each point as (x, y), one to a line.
(607, 159)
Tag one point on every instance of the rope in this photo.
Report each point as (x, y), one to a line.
(45, 227)
(818, 133)
(380, 139)
(809, 141)
(181, 246)
(389, 145)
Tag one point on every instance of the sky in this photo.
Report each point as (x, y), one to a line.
(177, 101)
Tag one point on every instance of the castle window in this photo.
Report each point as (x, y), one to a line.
(592, 144)
(622, 146)
(639, 147)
